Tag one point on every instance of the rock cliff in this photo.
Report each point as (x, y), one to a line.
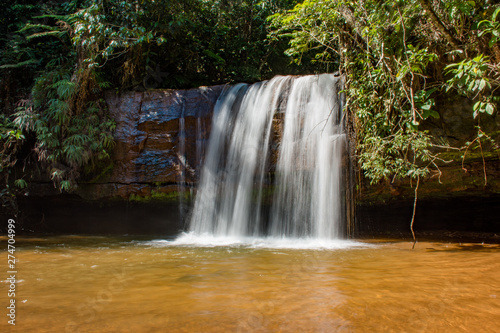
(160, 139)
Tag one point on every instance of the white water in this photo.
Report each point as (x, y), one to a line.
(240, 196)
(182, 158)
(207, 240)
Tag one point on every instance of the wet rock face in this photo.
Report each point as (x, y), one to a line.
(160, 135)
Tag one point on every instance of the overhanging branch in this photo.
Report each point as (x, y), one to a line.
(436, 22)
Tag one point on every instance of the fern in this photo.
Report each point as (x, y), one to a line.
(30, 26)
(57, 34)
(67, 185)
(21, 64)
(53, 16)
(77, 139)
(66, 89)
(64, 115)
(20, 183)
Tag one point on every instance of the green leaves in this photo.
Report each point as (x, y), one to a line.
(491, 27)
(20, 183)
(67, 140)
(425, 103)
(483, 107)
(393, 56)
(65, 89)
(471, 77)
(20, 64)
(387, 157)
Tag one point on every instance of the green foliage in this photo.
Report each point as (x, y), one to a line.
(425, 103)
(177, 44)
(472, 78)
(396, 55)
(21, 183)
(491, 27)
(66, 140)
(479, 77)
(393, 55)
(64, 114)
(11, 141)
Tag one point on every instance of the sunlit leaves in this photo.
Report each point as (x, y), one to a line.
(393, 57)
(370, 41)
(491, 27)
(471, 78)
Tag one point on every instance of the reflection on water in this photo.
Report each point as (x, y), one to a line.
(100, 284)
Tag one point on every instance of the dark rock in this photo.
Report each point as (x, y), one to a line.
(149, 135)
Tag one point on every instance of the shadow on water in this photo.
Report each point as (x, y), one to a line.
(468, 247)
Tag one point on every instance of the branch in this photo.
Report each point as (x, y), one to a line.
(413, 216)
(438, 24)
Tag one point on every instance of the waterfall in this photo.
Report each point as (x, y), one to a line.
(182, 159)
(273, 166)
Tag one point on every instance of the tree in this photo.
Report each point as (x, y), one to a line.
(397, 56)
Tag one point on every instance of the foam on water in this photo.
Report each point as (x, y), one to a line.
(209, 240)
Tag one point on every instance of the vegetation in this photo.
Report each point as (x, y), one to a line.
(398, 55)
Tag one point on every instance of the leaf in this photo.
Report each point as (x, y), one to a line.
(471, 85)
(495, 14)
(21, 183)
(489, 108)
(478, 58)
(476, 107)
(20, 64)
(217, 58)
(434, 114)
(65, 89)
(482, 84)
(430, 92)
(46, 33)
(66, 185)
(38, 26)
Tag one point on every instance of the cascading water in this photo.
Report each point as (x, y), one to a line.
(273, 166)
(182, 159)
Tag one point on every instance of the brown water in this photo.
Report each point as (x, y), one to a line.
(100, 284)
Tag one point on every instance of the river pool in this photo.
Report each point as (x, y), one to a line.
(137, 284)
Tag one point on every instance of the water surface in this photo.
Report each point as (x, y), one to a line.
(110, 284)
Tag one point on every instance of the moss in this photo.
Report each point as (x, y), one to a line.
(453, 183)
(105, 171)
(473, 155)
(157, 196)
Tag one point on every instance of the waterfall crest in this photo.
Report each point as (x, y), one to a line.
(273, 166)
